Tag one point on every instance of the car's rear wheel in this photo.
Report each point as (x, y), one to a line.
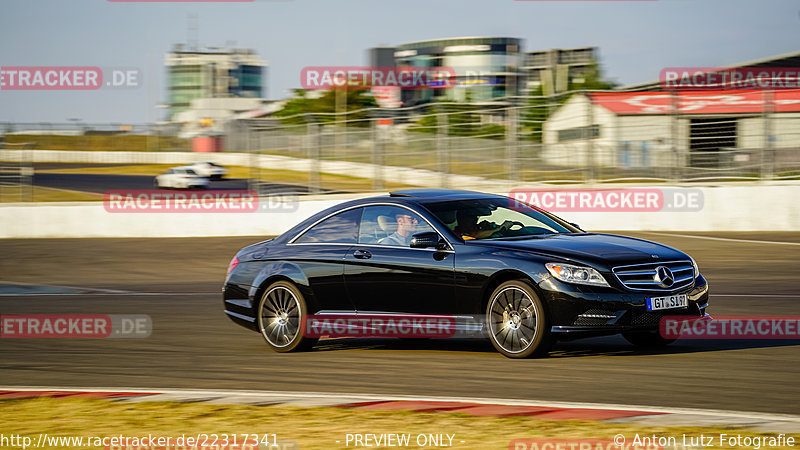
(281, 314)
(517, 322)
(647, 339)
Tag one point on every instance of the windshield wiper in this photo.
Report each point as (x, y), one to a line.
(527, 236)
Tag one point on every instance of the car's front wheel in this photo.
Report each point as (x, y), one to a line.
(517, 322)
(281, 314)
(647, 339)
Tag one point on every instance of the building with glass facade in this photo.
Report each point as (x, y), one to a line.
(556, 69)
(212, 73)
(486, 68)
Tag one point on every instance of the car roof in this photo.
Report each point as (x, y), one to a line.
(428, 194)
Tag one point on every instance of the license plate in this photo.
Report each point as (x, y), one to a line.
(669, 302)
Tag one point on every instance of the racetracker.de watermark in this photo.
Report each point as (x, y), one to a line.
(578, 444)
(730, 327)
(68, 78)
(612, 200)
(368, 77)
(199, 441)
(184, 1)
(75, 326)
(379, 325)
(741, 78)
(585, 0)
(196, 201)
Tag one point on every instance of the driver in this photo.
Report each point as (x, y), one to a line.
(469, 228)
(406, 224)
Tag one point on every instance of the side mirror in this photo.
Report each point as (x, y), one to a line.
(576, 226)
(427, 240)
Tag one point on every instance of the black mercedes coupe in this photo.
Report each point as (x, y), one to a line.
(517, 274)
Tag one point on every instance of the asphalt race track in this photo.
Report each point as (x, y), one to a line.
(193, 345)
(101, 183)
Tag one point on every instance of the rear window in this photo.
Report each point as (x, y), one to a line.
(339, 229)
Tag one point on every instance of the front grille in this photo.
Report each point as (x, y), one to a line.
(594, 317)
(651, 319)
(647, 319)
(654, 276)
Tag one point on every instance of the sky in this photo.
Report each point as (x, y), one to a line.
(636, 39)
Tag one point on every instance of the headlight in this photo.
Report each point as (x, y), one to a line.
(696, 269)
(576, 274)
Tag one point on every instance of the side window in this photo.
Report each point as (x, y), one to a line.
(341, 228)
(390, 225)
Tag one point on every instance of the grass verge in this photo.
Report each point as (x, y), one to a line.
(310, 428)
(44, 194)
(327, 181)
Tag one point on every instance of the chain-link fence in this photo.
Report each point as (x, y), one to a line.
(16, 177)
(78, 135)
(576, 137)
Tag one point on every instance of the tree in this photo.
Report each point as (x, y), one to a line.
(463, 119)
(536, 112)
(539, 108)
(304, 108)
(593, 80)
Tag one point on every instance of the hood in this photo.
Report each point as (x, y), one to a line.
(605, 250)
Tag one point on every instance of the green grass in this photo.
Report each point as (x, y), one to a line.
(125, 142)
(310, 428)
(43, 194)
(333, 182)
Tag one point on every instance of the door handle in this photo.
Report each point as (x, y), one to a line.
(362, 254)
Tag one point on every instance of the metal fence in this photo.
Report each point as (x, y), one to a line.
(16, 176)
(559, 139)
(78, 135)
(576, 137)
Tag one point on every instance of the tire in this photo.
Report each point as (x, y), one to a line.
(647, 339)
(281, 312)
(517, 322)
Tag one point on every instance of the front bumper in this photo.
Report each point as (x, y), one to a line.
(582, 311)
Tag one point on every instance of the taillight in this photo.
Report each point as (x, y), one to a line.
(233, 264)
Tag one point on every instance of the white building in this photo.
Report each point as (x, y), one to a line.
(662, 129)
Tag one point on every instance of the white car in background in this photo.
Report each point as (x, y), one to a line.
(184, 177)
(209, 170)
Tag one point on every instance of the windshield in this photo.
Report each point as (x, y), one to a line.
(496, 218)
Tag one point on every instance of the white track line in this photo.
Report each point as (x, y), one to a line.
(87, 291)
(757, 295)
(378, 397)
(61, 286)
(178, 294)
(749, 241)
(125, 294)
